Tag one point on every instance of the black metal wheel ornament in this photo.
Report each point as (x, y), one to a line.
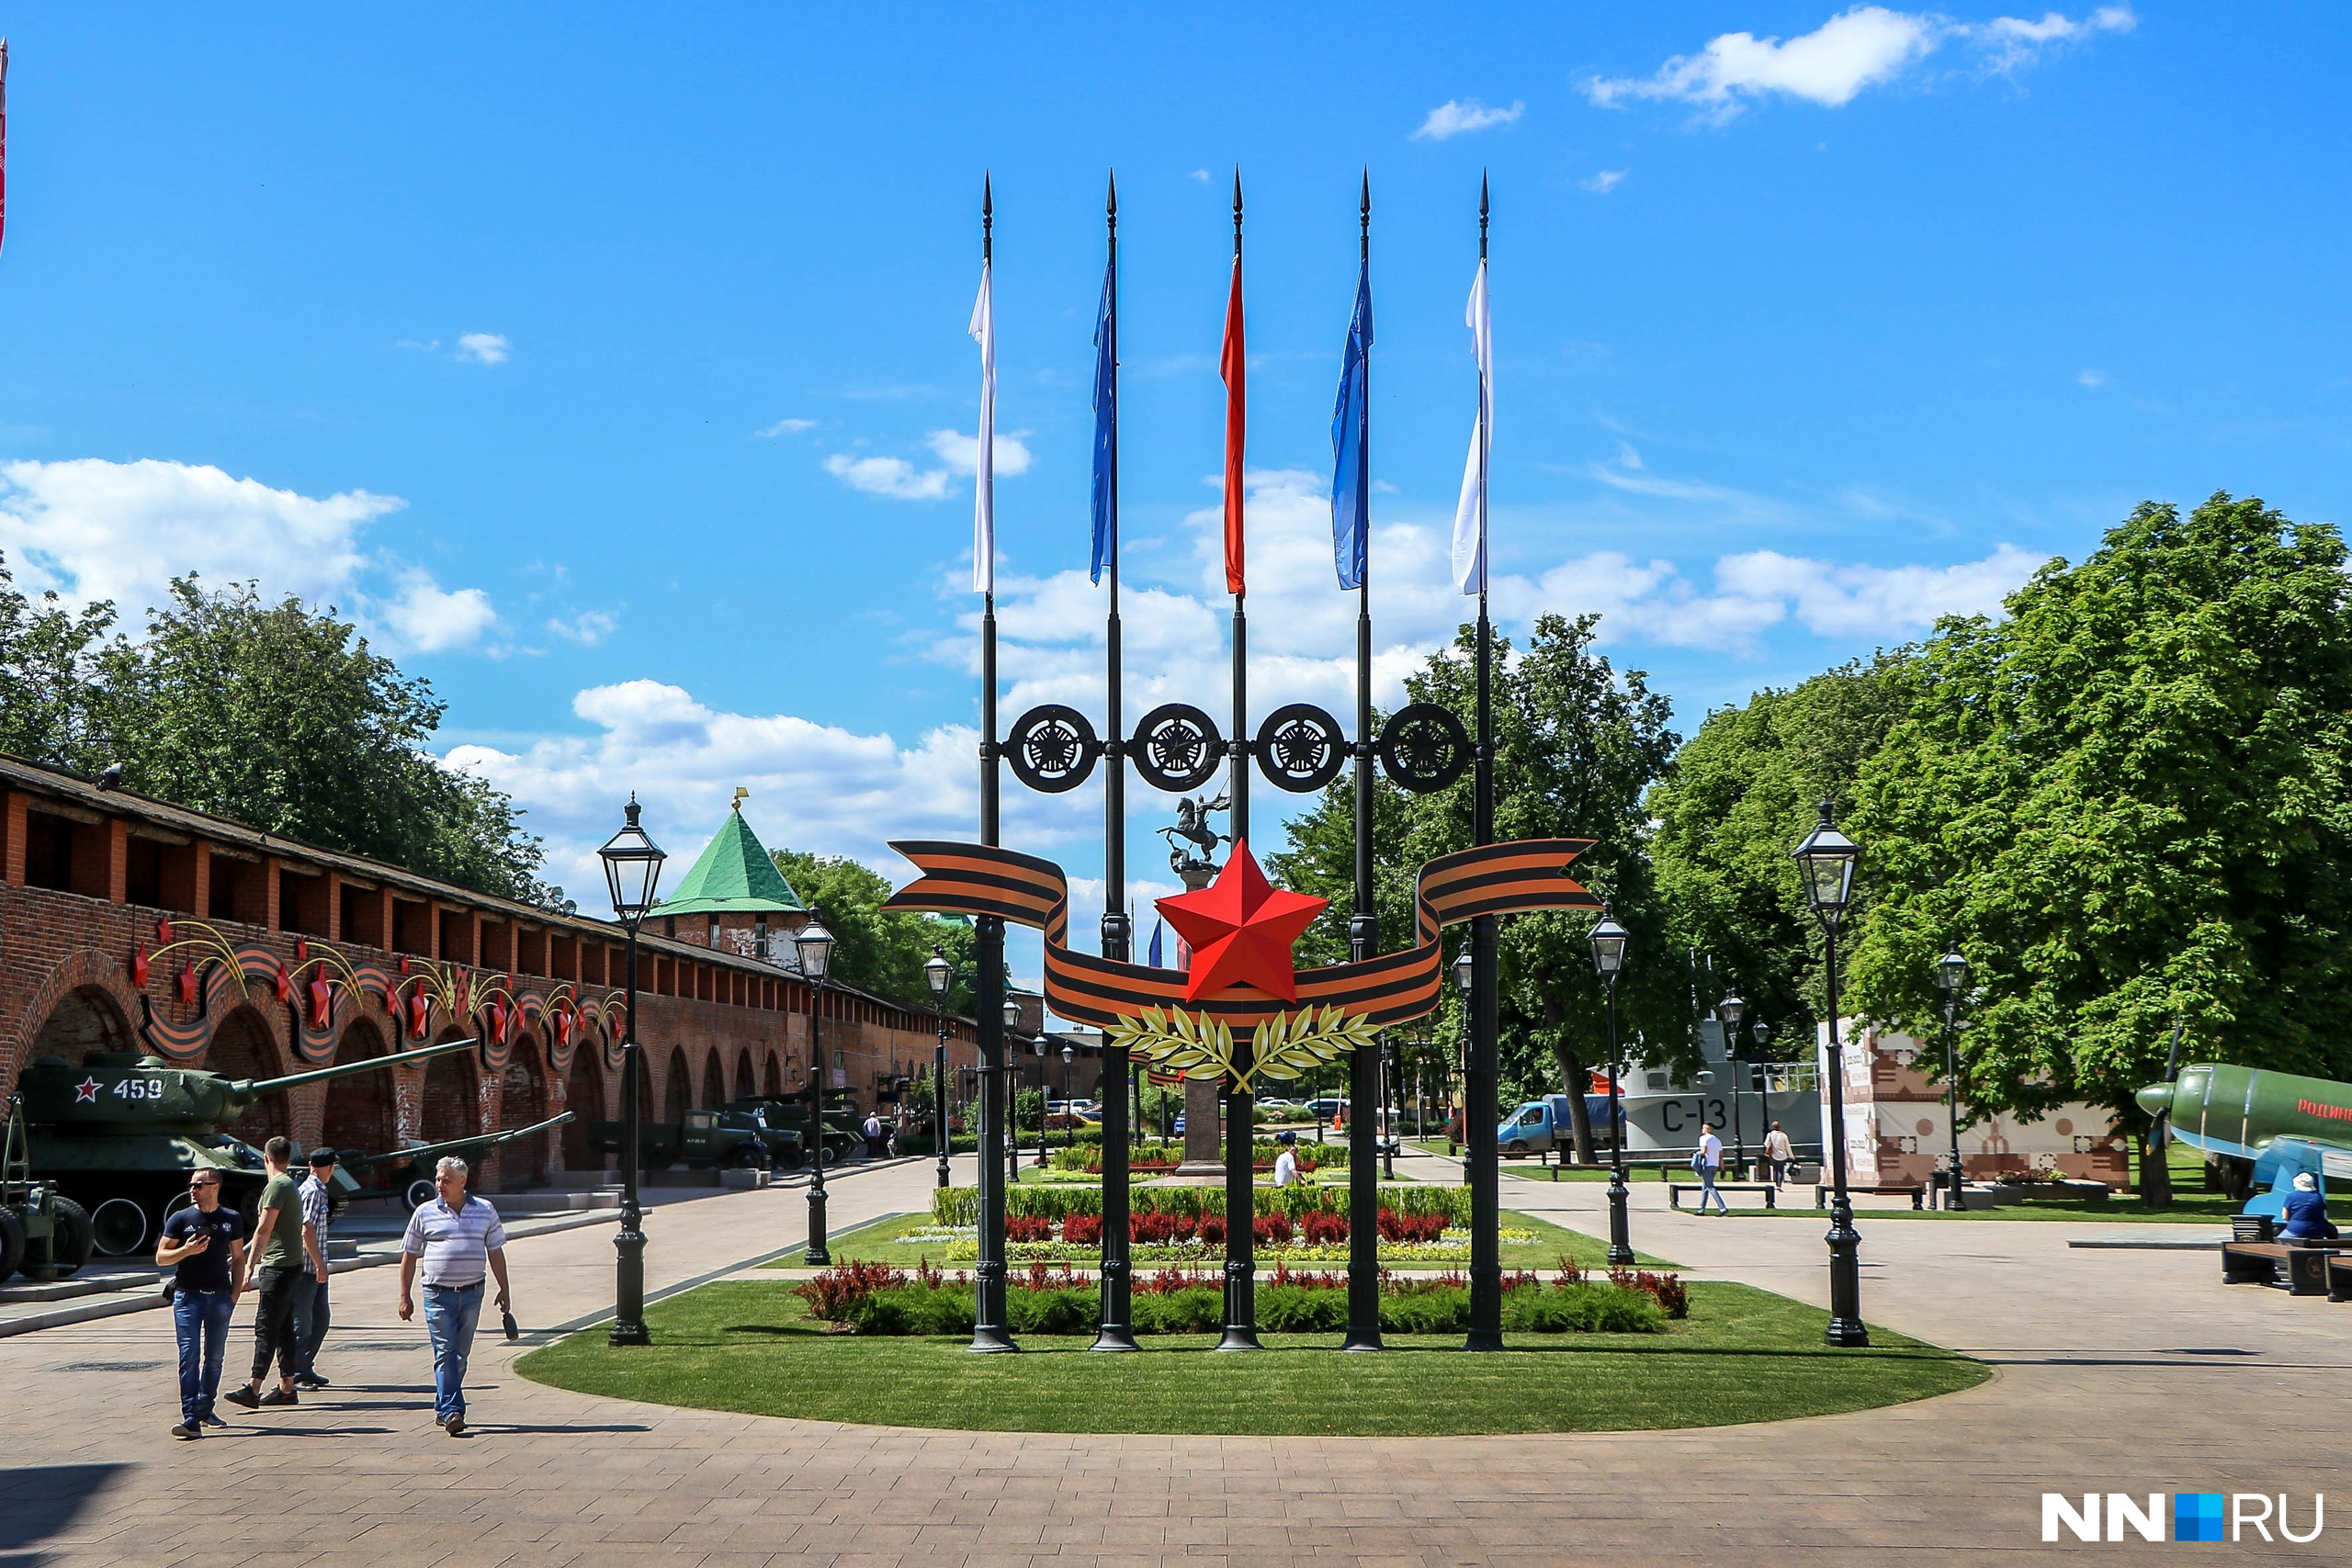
(1176, 747)
(1423, 747)
(1300, 748)
(1052, 749)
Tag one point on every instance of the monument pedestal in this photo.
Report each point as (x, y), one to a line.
(1204, 1109)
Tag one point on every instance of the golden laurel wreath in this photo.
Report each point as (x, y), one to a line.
(1286, 1045)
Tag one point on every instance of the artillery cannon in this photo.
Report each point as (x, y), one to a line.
(41, 1233)
(120, 1134)
(418, 1189)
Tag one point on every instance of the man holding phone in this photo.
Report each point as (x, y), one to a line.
(202, 1244)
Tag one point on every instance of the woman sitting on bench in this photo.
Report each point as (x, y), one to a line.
(2307, 1211)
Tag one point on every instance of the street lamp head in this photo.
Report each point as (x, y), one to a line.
(1463, 970)
(1951, 973)
(938, 971)
(1731, 1009)
(1763, 1033)
(1039, 1045)
(816, 945)
(632, 869)
(1012, 1012)
(1069, 1055)
(1826, 862)
(1608, 939)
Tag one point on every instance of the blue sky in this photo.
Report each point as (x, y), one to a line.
(609, 363)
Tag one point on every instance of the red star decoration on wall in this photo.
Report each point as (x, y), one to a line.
(1241, 929)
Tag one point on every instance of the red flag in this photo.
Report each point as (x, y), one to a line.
(1234, 364)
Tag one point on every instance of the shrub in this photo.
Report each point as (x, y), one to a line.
(1212, 1230)
(1325, 1228)
(1084, 1228)
(1670, 1293)
(1271, 1230)
(1298, 1309)
(1188, 1309)
(1583, 1309)
(1028, 1227)
(1395, 1226)
(835, 1294)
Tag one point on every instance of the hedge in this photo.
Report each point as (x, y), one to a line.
(1088, 1155)
(1586, 1307)
(961, 1205)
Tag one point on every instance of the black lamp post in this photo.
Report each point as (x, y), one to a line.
(1465, 978)
(940, 973)
(1951, 974)
(632, 871)
(1045, 1096)
(816, 945)
(1608, 939)
(1012, 1100)
(1825, 862)
(1070, 1117)
(1731, 1011)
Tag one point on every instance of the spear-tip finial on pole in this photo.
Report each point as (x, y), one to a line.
(1236, 209)
(1111, 202)
(988, 216)
(1482, 215)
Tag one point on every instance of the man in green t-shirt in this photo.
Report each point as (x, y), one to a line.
(278, 1248)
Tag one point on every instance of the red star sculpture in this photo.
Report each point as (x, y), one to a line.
(1241, 930)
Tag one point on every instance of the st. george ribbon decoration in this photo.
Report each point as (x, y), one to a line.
(1494, 879)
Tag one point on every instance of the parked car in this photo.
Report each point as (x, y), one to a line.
(1324, 1109)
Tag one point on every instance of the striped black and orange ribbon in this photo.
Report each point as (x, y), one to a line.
(1495, 879)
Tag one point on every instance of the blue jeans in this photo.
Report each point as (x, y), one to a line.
(310, 1319)
(202, 1320)
(1707, 1189)
(449, 1317)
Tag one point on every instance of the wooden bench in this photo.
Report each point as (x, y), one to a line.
(1675, 1189)
(1919, 1191)
(2339, 1278)
(2256, 1263)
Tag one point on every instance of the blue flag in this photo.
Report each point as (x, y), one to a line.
(1106, 423)
(1352, 446)
(1157, 927)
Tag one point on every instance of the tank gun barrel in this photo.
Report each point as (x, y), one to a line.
(478, 1141)
(245, 1090)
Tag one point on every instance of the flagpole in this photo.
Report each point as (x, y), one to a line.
(1241, 1123)
(1363, 929)
(990, 1331)
(1116, 1331)
(1482, 1172)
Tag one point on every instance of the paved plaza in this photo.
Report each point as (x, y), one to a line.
(2118, 1371)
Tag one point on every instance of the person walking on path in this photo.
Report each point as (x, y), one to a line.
(278, 1248)
(202, 1244)
(873, 1134)
(310, 1316)
(451, 1241)
(1286, 1163)
(1777, 1154)
(1708, 1162)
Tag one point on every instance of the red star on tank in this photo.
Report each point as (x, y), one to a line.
(1241, 929)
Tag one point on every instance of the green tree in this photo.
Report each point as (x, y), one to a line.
(2126, 805)
(877, 949)
(1743, 790)
(285, 719)
(1577, 744)
(48, 694)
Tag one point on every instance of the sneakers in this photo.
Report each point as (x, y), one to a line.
(279, 1396)
(308, 1382)
(455, 1426)
(187, 1429)
(244, 1396)
(211, 1420)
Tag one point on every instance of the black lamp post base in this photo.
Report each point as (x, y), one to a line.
(992, 1342)
(819, 1255)
(1484, 1339)
(628, 1334)
(1114, 1336)
(1846, 1334)
(1239, 1337)
(1621, 1242)
(1363, 1339)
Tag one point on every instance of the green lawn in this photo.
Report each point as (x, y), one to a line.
(1743, 1355)
(879, 1242)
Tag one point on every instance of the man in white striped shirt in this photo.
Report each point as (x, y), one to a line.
(452, 1240)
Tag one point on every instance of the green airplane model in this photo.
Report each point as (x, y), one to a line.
(2285, 1124)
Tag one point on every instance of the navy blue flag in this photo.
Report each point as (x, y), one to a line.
(1106, 423)
(1351, 446)
(1157, 927)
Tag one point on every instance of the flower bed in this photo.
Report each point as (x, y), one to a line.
(1078, 1239)
(875, 1300)
(961, 1205)
(1167, 1156)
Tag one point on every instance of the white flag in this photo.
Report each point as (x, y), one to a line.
(984, 482)
(1470, 512)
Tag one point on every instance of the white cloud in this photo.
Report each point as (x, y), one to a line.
(90, 529)
(588, 628)
(901, 481)
(1454, 117)
(483, 348)
(1606, 180)
(426, 345)
(893, 477)
(1865, 47)
(2093, 378)
(786, 427)
(1200, 174)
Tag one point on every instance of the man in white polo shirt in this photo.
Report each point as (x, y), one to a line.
(452, 1241)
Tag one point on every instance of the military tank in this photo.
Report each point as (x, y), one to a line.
(120, 1134)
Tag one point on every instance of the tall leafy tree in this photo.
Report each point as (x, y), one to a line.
(48, 697)
(1745, 789)
(2126, 805)
(877, 949)
(1577, 745)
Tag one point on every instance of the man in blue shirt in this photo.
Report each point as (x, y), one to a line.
(202, 1244)
(2307, 1211)
(311, 1313)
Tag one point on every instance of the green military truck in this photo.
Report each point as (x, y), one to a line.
(702, 1140)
